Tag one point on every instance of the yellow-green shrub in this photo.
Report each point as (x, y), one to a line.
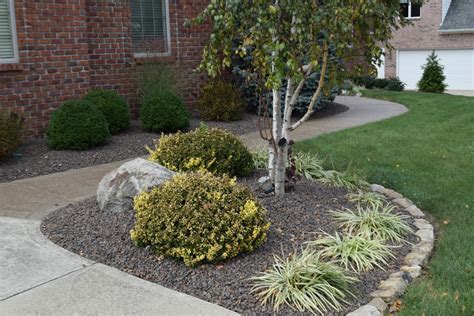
(215, 150)
(221, 101)
(199, 217)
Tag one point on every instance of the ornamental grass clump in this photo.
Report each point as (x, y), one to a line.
(215, 150)
(354, 252)
(199, 217)
(366, 198)
(376, 222)
(309, 166)
(260, 158)
(304, 283)
(345, 179)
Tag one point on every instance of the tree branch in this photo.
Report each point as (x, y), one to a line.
(317, 93)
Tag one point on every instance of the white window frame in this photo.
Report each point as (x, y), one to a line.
(15, 59)
(409, 17)
(168, 36)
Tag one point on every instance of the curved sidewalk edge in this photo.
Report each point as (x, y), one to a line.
(361, 111)
(38, 277)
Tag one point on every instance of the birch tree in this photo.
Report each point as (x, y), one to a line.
(290, 40)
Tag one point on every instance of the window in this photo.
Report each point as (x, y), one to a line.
(8, 40)
(150, 28)
(410, 10)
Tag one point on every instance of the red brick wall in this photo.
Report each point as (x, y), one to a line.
(68, 47)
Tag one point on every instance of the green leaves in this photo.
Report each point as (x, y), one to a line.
(291, 32)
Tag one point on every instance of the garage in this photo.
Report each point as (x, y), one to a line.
(458, 67)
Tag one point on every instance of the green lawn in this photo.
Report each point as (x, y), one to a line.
(427, 155)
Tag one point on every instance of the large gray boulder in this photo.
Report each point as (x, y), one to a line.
(118, 188)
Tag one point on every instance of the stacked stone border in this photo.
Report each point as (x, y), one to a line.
(393, 287)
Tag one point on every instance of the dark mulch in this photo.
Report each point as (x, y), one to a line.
(35, 158)
(299, 215)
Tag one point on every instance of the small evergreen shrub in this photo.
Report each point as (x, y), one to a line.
(163, 111)
(395, 84)
(215, 150)
(221, 101)
(369, 82)
(113, 107)
(433, 76)
(10, 132)
(77, 125)
(199, 217)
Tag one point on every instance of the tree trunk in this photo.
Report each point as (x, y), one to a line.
(277, 160)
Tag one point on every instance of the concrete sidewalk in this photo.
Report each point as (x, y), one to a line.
(38, 277)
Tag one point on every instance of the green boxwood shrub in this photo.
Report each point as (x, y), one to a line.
(163, 111)
(369, 82)
(199, 217)
(113, 107)
(10, 132)
(77, 124)
(221, 101)
(215, 150)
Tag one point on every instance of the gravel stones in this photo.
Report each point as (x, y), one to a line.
(296, 217)
(117, 189)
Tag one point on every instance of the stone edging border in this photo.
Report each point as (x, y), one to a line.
(397, 282)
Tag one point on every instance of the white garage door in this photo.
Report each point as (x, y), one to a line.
(458, 67)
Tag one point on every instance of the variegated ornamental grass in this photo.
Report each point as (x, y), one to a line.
(366, 198)
(353, 252)
(375, 221)
(304, 283)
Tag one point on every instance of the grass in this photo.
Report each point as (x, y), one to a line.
(427, 155)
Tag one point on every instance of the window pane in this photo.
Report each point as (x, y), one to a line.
(415, 10)
(404, 9)
(6, 39)
(149, 34)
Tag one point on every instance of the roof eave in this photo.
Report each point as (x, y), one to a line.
(457, 31)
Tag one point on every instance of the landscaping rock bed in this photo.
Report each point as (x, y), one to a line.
(298, 216)
(36, 159)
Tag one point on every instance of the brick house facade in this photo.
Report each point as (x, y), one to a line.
(446, 26)
(64, 48)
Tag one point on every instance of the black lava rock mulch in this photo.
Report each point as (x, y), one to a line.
(297, 217)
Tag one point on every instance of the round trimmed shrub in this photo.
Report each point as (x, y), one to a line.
(10, 132)
(215, 150)
(113, 107)
(164, 112)
(199, 217)
(77, 125)
(221, 101)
